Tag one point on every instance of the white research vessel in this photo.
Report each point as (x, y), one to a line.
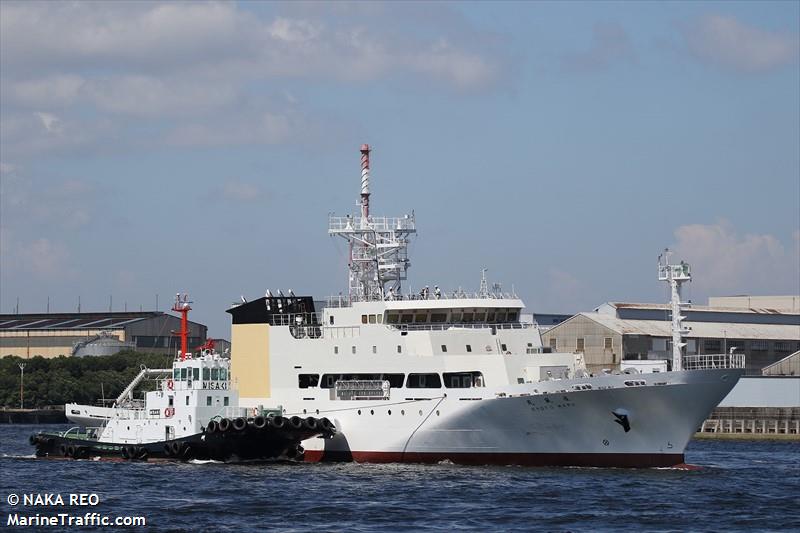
(455, 376)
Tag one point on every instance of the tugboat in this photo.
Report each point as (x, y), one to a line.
(194, 413)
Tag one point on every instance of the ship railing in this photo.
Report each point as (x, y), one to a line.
(347, 301)
(711, 361)
(471, 325)
(338, 224)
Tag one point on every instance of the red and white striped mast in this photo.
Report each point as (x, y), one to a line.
(182, 306)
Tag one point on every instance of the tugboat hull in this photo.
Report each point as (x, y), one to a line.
(259, 439)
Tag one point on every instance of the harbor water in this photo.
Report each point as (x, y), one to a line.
(750, 485)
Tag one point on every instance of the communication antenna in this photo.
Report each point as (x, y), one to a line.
(675, 275)
(484, 290)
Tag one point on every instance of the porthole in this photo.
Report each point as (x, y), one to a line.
(402, 412)
(359, 411)
(317, 411)
(372, 412)
(420, 412)
(389, 412)
(437, 412)
(304, 412)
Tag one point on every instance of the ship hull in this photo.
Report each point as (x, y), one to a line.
(250, 443)
(646, 424)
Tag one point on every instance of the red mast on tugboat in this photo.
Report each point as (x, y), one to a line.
(182, 306)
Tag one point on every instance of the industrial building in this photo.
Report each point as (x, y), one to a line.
(55, 334)
(616, 332)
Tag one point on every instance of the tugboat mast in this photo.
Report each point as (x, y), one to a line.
(182, 306)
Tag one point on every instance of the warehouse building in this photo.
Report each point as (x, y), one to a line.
(616, 332)
(55, 334)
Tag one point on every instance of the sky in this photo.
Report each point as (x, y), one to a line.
(154, 148)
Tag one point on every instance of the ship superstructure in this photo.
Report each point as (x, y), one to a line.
(450, 375)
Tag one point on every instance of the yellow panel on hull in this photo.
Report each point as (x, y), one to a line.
(250, 359)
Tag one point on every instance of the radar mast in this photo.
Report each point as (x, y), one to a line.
(378, 246)
(675, 275)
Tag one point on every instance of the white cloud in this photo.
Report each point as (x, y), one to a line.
(79, 66)
(50, 122)
(46, 259)
(724, 41)
(239, 191)
(724, 262)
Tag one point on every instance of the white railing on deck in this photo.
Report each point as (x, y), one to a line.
(717, 360)
(472, 325)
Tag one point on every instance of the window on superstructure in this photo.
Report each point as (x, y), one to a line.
(187, 399)
(421, 317)
(424, 381)
(177, 374)
(463, 380)
(363, 319)
(399, 349)
(480, 317)
(305, 381)
(469, 348)
(455, 317)
(468, 317)
(553, 343)
(335, 350)
(501, 317)
(512, 316)
(395, 380)
(503, 348)
(206, 374)
(331, 319)
(329, 381)
(438, 317)
(406, 319)
(444, 348)
(607, 343)
(491, 316)
(208, 400)
(183, 374)
(353, 348)
(392, 318)
(195, 374)
(380, 318)
(225, 401)
(372, 319)
(580, 344)
(215, 374)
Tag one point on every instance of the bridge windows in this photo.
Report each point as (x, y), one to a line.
(305, 381)
(424, 381)
(438, 318)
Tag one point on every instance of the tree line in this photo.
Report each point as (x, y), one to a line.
(60, 380)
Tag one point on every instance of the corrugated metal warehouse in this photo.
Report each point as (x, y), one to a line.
(54, 334)
(618, 331)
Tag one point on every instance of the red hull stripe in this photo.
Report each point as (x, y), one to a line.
(623, 460)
